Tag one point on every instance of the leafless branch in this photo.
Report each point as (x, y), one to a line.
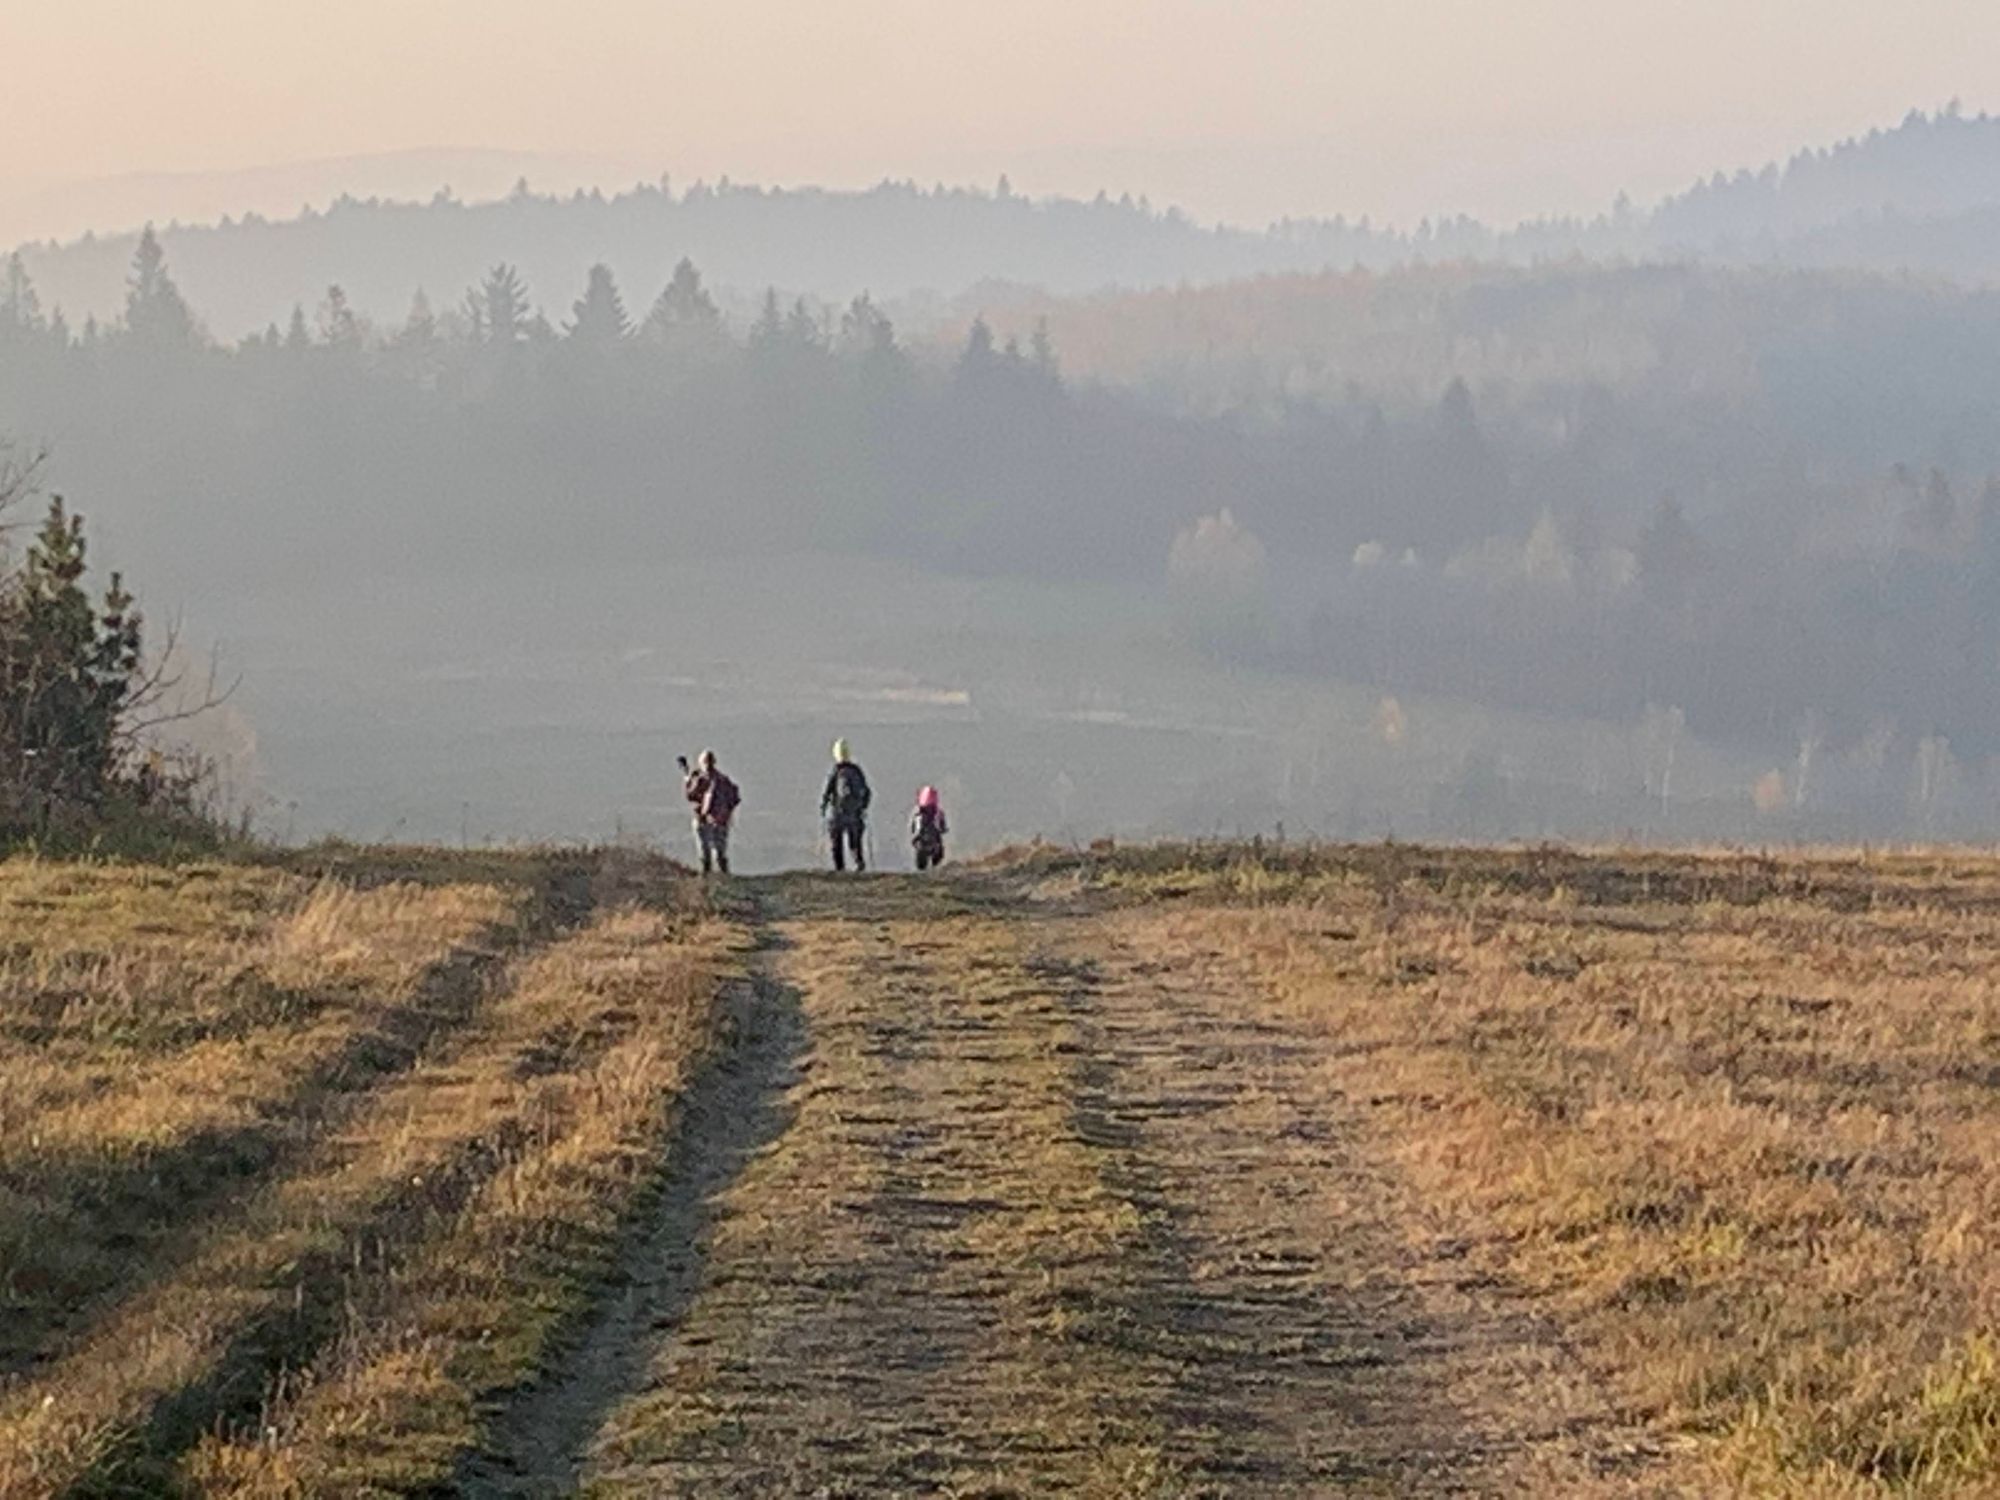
(20, 477)
(159, 685)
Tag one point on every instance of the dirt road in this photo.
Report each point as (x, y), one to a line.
(996, 1192)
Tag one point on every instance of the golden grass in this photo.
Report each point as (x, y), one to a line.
(628, 1010)
(1731, 1123)
(416, 1168)
(162, 1036)
(304, 1165)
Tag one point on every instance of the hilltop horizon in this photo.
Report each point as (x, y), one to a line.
(284, 189)
(1921, 196)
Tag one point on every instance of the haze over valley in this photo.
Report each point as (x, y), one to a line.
(1670, 521)
(1076, 748)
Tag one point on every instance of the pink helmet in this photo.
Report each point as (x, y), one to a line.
(927, 797)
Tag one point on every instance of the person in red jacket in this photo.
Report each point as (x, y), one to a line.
(715, 799)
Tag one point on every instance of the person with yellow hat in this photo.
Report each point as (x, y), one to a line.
(844, 805)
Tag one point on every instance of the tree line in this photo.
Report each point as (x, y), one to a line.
(1920, 196)
(1673, 529)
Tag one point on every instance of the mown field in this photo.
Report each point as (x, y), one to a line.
(1167, 1171)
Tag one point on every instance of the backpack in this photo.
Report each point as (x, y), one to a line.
(850, 790)
(723, 797)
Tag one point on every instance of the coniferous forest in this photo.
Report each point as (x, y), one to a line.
(1750, 506)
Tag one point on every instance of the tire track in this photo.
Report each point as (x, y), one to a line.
(898, 1292)
(1316, 1351)
(1023, 1199)
(540, 1443)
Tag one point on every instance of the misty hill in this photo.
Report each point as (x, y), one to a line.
(1924, 196)
(1644, 506)
(1929, 168)
(1872, 369)
(65, 210)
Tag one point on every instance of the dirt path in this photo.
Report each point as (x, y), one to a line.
(1001, 1198)
(735, 1110)
(1317, 1350)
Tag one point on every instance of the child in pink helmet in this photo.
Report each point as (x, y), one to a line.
(927, 829)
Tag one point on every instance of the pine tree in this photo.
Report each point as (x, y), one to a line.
(1458, 423)
(339, 327)
(420, 329)
(803, 333)
(685, 319)
(600, 321)
(1042, 351)
(865, 330)
(502, 304)
(978, 358)
(155, 312)
(472, 313)
(683, 305)
(68, 676)
(20, 304)
(768, 332)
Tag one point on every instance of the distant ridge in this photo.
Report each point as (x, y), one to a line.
(1923, 196)
(125, 202)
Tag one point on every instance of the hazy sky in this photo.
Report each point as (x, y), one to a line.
(1246, 109)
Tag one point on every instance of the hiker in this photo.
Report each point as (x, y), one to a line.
(927, 829)
(715, 799)
(844, 805)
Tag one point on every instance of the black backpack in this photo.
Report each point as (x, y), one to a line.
(850, 790)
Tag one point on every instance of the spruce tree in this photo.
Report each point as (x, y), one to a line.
(68, 675)
(684, 318)
(1042, 351)
(978, 358)
(683, 307)
(339, 327)
(503, 304)
(802, 330)
(20, 305)
(768, 332)
(600, 321)
(155, 312)
(420, 329)
(865, 330)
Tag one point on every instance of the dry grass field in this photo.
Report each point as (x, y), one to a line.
(300, 1162)
(1163, 1172)
(1727, 1127)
